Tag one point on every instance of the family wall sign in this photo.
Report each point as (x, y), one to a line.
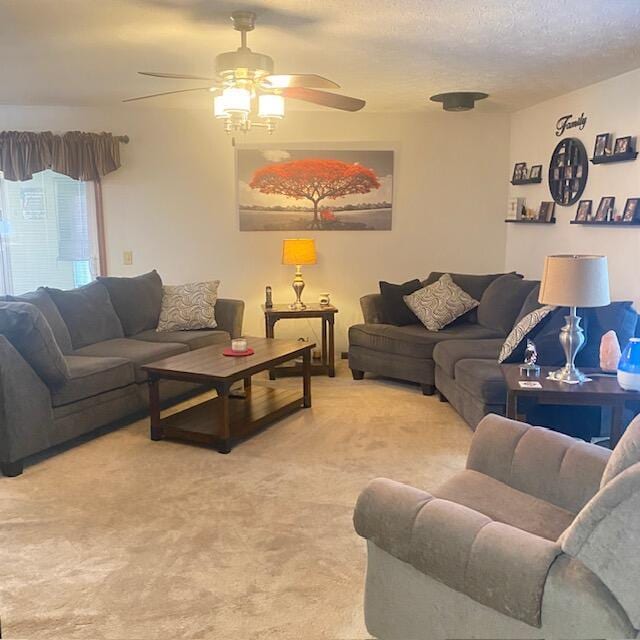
(569, 122)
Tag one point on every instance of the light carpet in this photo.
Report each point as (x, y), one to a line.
(124, 538)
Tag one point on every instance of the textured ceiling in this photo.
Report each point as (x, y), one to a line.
(392, 53)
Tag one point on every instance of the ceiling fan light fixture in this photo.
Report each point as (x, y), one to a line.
(237, 100)
(270, 105)
(459, 100)
(220, 108)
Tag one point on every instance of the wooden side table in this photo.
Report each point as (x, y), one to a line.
(326, 314)
(602, 391)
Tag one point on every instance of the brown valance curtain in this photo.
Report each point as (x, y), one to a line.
(79, 155)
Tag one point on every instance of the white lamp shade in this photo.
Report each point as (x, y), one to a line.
(219, 108)
(270, 106)
(237, 100)
(575, 281)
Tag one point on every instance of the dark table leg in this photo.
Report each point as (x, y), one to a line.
(617, 417)
(270, 323)
(325, 359)
(247, 384)
(332, 349)
(512, 405)
(306, 377)
(154, 408)
(224, 444)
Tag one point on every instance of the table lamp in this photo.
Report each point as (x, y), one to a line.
(298, 251)
(574, 281)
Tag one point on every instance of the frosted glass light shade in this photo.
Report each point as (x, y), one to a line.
(575, 281)
(270, 106)
(298, 251)
(237, 100)
(220, 108)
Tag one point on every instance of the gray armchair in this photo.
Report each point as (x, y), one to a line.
(537, 537)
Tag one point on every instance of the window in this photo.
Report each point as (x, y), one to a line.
(48, 233)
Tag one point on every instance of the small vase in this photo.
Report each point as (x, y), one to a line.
(629, 367)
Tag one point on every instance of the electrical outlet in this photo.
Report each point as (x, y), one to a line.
(127, 257)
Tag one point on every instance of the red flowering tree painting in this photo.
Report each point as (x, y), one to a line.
(293, 189)
(314, 179)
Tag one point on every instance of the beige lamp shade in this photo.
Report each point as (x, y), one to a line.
(298, 251)
(575, 281)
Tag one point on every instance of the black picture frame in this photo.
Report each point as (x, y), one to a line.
(605, 208)
(546, 211)
(601, 145)
(519, 170)
(583, 212)
(535, 172)
(622, 145)
(631, 210)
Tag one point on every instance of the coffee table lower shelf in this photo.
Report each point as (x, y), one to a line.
(202, 423)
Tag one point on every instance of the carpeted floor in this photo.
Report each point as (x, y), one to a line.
(124, 538)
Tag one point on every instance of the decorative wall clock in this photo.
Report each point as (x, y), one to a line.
(568, 171)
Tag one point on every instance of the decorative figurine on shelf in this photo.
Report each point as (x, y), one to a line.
(530, 368)
(268, 299)
(325, 299)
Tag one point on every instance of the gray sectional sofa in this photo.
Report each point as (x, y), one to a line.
(70, 361)
(461, 360)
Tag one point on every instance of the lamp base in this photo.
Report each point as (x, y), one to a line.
(297, 306)
(572, 340)
(298, 286)
(569, 374)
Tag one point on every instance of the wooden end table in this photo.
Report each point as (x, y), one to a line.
(221, 420)
(326, 313)
(602, 391)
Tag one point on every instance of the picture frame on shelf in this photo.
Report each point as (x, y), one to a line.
(516, 209)
(536, 172)
(631, 210)
(546, 211)
(622, 145)
(601, 147)
(583, 212)
(605, 209)
(519, 172)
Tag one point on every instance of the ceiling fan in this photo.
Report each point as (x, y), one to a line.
(243, 77)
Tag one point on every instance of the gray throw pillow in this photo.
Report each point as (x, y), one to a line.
(43, 301)
(440, 303)
(137, 300)
(189, 306)
(88, 314)
(26, 328)
(501, 302)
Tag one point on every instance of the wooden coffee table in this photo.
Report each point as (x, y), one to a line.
(223, 419)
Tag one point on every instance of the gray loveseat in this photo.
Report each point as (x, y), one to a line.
(70, 361)
(536, 538)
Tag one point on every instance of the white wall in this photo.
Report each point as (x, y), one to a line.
(610, 106)
(173, 201)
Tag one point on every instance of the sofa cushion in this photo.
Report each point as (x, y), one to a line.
(500, 502)
(193, 339)
(88, 314)
(189, 306)
(439, 304)
(413, 341)
(396, 310)
(625, 454)
(502, 300)
(136, 300)
(482, 379)
(447, 353)
(91, 376)
(137, 351)
(43, 301)
(473, 284)
(26, 328)
(530, 303)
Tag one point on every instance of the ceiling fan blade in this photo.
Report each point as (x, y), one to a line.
(333, 100)
(174, 76)
(167, 93)
(299, 80)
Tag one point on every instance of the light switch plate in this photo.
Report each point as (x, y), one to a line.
(127, 257)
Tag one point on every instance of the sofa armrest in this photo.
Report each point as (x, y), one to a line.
(495, 564)
(373, 309)
(229, 316)
(545, 464)
(25, 407)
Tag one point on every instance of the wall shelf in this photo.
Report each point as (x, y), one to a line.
(606, 223)
(523, 221)
(527, 181)
(616, 157)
